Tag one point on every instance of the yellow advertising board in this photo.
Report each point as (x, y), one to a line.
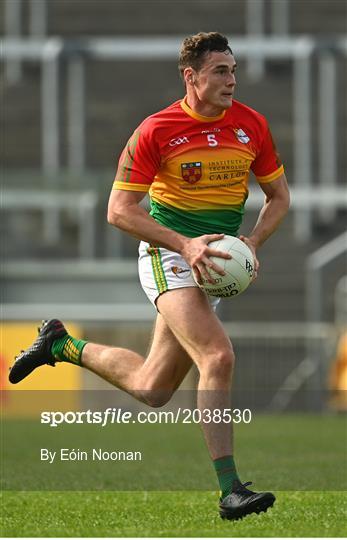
(15, 336)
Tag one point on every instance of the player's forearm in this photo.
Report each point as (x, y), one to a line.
(270, 216)
(138, 223)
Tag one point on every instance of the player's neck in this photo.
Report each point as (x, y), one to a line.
(201, 108)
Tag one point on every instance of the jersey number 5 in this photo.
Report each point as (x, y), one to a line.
(212, 141)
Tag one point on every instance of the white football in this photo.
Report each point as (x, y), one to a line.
(238, 270)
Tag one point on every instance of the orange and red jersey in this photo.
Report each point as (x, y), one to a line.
(196, 168)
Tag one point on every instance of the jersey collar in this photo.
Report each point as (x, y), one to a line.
(197, 116)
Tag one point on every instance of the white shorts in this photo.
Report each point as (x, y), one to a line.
(161, 270)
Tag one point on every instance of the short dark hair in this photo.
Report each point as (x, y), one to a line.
(195, 47)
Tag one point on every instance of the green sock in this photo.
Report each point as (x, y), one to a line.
(226, 472)
(68, 349)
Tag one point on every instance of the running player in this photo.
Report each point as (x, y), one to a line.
(194, 159)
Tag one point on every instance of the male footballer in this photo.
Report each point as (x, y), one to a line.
(194, 159)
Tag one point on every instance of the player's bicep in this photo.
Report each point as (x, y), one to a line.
(276, 189)
(122, 201)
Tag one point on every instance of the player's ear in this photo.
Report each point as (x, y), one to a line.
(188, 76)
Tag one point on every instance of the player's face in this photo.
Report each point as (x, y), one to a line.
(212, 87)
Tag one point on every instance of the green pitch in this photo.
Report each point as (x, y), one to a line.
(286, 453)
(56, 514)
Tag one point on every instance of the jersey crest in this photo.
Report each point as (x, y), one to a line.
(241, 136)
(191, 172)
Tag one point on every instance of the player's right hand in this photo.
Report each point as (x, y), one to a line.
(197, 253)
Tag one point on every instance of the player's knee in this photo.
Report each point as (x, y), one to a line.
(220, 364)
(156, 398)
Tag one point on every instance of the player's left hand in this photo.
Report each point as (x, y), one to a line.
(252, 247)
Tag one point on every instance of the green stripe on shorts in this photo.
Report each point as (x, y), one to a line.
(158, 270)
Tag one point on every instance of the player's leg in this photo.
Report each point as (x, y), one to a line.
(191, 318)
(165, 367)
(152, 379)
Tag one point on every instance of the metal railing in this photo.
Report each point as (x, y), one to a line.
(315, 264)
(13, 29)
(83, 204)
(255, 17)
(341, 302)
(313, 366)
(38, 22)
(255, 28)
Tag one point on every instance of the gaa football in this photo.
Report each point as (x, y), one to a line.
(238, 270)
